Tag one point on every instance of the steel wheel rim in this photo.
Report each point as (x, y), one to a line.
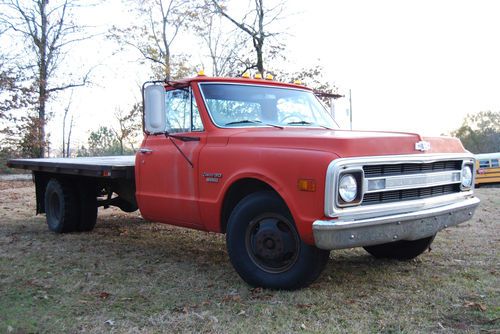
(272, 243)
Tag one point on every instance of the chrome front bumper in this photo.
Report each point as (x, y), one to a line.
(337, 234)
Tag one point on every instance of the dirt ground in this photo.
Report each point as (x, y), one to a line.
(132, 276)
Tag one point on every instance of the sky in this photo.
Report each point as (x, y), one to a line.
(417, 66)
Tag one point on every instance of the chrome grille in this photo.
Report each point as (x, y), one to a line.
(397, 184)
(409, 194)
(411, 168)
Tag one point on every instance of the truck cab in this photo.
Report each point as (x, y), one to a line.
(239, 145)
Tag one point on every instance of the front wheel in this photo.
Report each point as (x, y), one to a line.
(400, 250)
(265, 248)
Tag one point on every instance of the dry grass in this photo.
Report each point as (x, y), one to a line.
(132, 276)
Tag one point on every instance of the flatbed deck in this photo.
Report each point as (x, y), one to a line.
(112, 167)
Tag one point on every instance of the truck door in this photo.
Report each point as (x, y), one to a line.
(167, 185)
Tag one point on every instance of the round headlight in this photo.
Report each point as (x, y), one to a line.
(467, 176)
(348, 189)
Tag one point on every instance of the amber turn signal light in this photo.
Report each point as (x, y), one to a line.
(306, 185)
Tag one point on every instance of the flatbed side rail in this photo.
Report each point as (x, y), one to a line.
(114, 167)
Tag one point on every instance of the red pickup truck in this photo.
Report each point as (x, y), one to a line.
(265, 163)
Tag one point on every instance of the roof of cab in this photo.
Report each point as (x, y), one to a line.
(203, 78)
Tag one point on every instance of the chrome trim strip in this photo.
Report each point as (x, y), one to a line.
(374, 210)
(337, 234)
(412, 181)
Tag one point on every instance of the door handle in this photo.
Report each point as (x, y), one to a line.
(144, 150)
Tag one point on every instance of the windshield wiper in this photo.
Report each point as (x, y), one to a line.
(246, 121)
(243, 121)
(299, 123)
(308, 123)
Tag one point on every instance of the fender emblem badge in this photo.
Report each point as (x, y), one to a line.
(212, 177)
(422, 146)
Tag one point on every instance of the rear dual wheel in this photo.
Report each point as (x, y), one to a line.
(61, 207)
(88, 208)
(265, 248)
(70, 208)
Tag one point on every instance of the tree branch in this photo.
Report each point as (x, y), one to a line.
(239, 25)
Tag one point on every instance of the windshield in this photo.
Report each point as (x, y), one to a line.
(235, 105)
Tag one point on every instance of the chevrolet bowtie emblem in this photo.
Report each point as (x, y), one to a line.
(422, 146)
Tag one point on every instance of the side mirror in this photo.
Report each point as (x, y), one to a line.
(154, 108)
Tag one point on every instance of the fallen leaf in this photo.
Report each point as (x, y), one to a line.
(304, 305)
(104, 295)
(256, 291)
(231, 298)
(181, 309)
(474, 305)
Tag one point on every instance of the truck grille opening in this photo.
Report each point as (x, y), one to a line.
(411, 168)
(412, 193)
(409, 194)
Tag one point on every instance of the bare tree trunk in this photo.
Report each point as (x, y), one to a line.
(259, 38)
(63, 137)
(47, 31)
(166, 44)
(69, 137)
(121, 146)
(256, 29)
(260, 57)
(66, 111)
(42, 80)
(64, 132)
(159, 23)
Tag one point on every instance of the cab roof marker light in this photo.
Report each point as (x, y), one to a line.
(269, 77)
(245, 75)
(201, 73)
(257, 76)
(297, 82)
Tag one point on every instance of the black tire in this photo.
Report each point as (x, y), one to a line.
(88, 208)
(61, 206)
(265, 248)
(400, 250)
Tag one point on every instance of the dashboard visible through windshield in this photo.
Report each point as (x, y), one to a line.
(237, 105)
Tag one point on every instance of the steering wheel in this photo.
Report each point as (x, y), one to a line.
(291, 117)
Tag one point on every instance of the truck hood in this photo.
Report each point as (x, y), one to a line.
(344, 143)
